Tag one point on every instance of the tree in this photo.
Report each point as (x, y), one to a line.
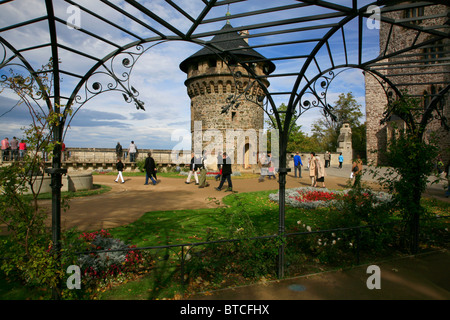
(326, 131)
(26, 250)
(298, 140)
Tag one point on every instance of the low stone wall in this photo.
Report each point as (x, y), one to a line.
(70, 182)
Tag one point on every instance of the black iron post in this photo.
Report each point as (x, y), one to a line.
(56, 173)
(282, 172)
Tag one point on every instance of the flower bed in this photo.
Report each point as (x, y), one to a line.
(103, 264)
(312, 198)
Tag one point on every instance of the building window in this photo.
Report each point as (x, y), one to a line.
(414, 13)
(211, 63)
(426, 99)
(433, 52)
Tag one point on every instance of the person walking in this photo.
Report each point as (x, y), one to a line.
(327, 158)
(202, 167)
(263, 167)
(341, 160)
(119, 167)
(271, 167)
(298, 165)
(132, 149)
(192, 170)
(312, 169)
(226, 173)
(219, 165)
(357, 167)
(150, 168)
(320, 169)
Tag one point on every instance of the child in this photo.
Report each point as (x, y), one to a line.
(119, 167)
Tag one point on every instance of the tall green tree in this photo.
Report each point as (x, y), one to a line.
(326, 131)
(298, 140)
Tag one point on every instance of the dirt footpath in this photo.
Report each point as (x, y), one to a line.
(127, 202)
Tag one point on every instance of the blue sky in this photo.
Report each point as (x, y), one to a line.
(107, 118)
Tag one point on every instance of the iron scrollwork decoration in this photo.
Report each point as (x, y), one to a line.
(26, 85)
(251, 92)
(316, 95)
(116, 77)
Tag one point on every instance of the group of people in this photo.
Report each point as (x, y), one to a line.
(13, 150)
(132, 151)
(198, 165)
(317, 168)
(149, 168)
(267, 167)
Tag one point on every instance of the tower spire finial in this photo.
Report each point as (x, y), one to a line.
(228, 14)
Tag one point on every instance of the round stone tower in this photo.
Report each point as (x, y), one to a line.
(211, 81)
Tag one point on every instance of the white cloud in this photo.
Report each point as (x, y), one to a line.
(107, 118)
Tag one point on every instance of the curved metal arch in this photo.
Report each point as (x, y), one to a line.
(252, 79)
(344, 67)
(255, 78)
(365, 66)
(130, 93)
(27, 67)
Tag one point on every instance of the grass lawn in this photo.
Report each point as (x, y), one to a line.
(240, 210)
(190, 226)
(159, 228)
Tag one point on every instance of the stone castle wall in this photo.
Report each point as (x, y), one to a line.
(408, 71)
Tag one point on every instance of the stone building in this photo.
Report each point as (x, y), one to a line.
(423, 72)
(214, 79)
(345, 143)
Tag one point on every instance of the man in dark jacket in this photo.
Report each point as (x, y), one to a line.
(226, 173)
(150, 168)
(119, 150)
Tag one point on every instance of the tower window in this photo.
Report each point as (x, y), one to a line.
(233, 116)
(433, 52)
(414, 13)
(211, 63)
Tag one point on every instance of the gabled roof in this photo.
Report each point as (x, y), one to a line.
(227, 40)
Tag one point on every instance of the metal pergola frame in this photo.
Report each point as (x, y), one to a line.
(329, 19)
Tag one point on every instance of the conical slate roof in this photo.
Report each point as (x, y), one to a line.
(227, 41)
